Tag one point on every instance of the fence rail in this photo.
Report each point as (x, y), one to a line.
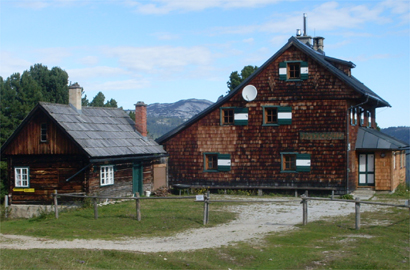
(207, 200)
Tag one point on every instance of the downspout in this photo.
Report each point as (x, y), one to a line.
(348, 148)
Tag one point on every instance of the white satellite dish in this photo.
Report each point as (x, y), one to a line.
(249, 93)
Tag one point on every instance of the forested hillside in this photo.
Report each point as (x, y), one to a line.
(400, 133)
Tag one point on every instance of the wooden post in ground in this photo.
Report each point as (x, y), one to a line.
(6, 206)
(357, 210)
(55, 203)
(206, 208)
(305, 209)
(333, 195)
(138, 206)
(95, 208)
(408, 204)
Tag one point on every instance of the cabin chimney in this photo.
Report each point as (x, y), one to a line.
(141, 118)
(318, 44)
(304, 38)
(74, 96)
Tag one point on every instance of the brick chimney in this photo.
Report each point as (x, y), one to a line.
(141, 118)
(74, 96)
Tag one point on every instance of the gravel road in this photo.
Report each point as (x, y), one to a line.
(254, 221)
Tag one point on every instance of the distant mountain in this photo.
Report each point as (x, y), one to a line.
(163, 117)
(400, 133)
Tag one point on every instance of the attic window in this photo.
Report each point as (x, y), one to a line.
(227, 117)
(293, 70)
(43, 132)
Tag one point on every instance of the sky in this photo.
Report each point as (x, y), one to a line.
(162, 51)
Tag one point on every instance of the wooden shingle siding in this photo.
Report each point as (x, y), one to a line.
(255, 149)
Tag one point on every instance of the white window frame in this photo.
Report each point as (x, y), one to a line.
(21, 177)
(106, 175)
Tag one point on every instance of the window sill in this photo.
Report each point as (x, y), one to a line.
(288, 171)
(270, 125)
(211, 171)
(106, 185)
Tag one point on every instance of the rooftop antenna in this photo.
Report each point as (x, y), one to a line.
(304, 24)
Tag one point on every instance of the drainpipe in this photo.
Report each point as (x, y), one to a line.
(348, 148)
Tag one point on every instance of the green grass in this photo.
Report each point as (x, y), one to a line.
(381, 243)
(402, 192)
(159, 218)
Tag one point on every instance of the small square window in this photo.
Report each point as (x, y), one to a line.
(289, 162)
(43, 132)
(21, 175)
(293, 70)
(106, 175)
(211, 162)
(270, 115)
(227, 116)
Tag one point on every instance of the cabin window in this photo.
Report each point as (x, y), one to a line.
(293, 71)
(22, 178)
(369, 119)
(361, 113)
(43, 132)
(216, 162)
(227, 116)
(271, 115)
(234, 116)
(295, 162)
(276, 115)
(106, 175)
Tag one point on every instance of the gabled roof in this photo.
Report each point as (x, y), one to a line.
(320, 58)
(371, 139)
(99, 132)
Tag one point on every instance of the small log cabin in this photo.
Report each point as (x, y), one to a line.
(301, 121)
(73, 149)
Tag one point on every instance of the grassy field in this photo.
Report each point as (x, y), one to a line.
(382, 242)
(159, 218)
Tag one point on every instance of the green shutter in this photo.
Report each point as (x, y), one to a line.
(304, 71)
(284, 115)
(240, 117)
(224, 162)
(303, 162)
(283, 73)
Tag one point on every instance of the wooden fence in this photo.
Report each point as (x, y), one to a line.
(206, 200)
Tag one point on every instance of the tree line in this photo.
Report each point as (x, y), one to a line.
(20, 93)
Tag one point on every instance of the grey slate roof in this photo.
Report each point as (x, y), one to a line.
(101, 132)
(372, 139)
(323, 60)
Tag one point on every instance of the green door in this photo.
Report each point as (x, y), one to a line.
(137, 178)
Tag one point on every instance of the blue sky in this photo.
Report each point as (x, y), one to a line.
(168, 50)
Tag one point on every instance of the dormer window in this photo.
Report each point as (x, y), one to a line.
(293, 71)
(43, 132)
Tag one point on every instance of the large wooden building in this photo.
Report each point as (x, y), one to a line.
(301, 121)
(73, 149)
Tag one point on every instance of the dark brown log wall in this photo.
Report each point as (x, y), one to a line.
(47, 173)
(27, 141)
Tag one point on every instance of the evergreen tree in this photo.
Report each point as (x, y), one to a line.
(236, 79)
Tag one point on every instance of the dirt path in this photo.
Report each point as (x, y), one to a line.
(254, 221)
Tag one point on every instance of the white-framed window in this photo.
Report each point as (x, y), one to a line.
(22, 177)
(107, 175)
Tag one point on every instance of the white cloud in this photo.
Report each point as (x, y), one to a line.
(248, 40)
(83, 74)
(159, 59)
(110, 85)
(10, 64)
(167, 6)
(52, 56)
(89, 60)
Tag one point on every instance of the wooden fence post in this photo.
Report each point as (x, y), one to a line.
(206, 210)
(55, 203)
(138, 206)
(357, 210)
(95, 208)
(6, 206)
(305, 209)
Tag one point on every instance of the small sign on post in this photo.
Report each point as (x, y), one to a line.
(199, 198)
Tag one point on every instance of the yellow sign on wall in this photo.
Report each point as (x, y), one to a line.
(24, 189)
